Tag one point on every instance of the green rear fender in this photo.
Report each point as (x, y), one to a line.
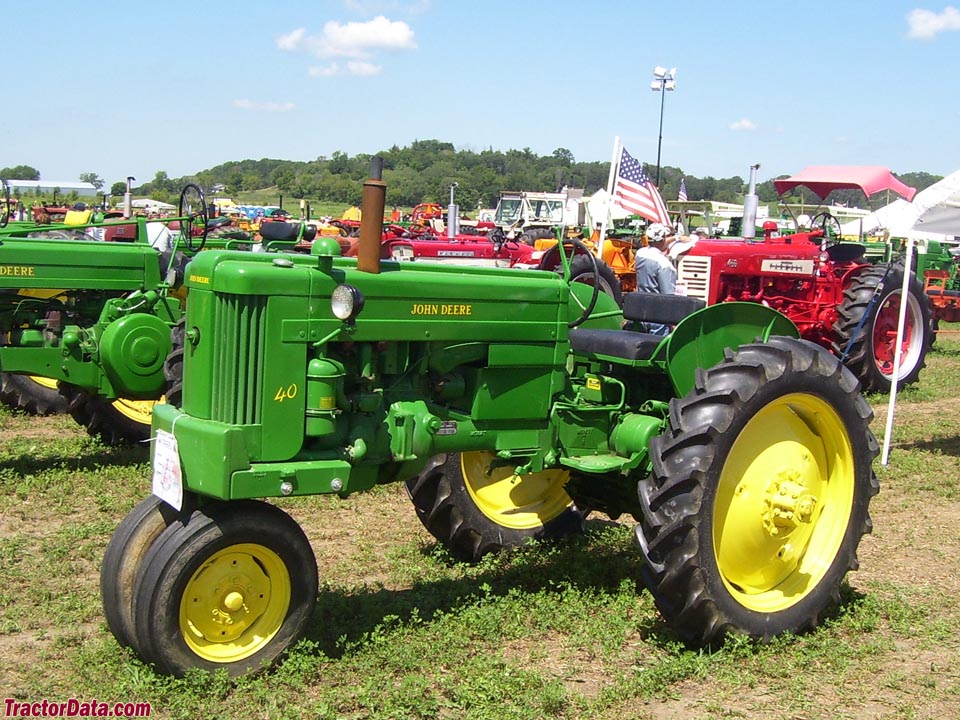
(700, 340)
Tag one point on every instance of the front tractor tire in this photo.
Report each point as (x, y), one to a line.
(473, 510)
(759, 494)
(128, 546)
(231, 588)
(868, 347)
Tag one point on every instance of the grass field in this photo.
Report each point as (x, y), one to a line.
(558, 631)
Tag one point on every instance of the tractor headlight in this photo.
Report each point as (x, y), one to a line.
(346, 302)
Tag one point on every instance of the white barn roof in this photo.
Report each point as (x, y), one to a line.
(65, 186)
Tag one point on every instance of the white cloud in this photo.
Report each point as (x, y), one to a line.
(743, 124)
(360, 67)
(353, 67)
(259, 105)
(926, 24)
(291, 41)
(353, 39)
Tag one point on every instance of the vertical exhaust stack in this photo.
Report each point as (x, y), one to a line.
(128, 199)
(372, 204)
(749, 227)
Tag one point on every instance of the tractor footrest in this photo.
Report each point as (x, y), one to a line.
(614, 343)
(594, 463)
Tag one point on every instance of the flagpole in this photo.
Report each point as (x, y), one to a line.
(614, 167)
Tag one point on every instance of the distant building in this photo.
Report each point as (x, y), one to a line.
(48, 186)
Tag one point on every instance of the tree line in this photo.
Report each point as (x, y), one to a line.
(424, 171)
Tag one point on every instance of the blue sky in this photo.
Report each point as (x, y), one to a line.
(133, 88)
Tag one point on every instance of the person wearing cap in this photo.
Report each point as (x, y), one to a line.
(655, 272)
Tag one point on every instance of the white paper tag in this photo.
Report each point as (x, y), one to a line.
(167, 478)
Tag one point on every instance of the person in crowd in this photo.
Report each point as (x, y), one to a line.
(655, 272)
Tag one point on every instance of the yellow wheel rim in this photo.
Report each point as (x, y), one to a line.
(46, 382)
(519, 502)
(140, 411)
(235, 603)
(783, 503)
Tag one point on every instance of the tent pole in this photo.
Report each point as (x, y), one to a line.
(904, 295)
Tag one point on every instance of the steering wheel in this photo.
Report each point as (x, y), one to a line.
(826, 220)
(596, 285)
(186, 229)
(497, 238)
(5, 216)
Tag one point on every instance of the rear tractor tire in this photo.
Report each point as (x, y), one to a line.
(871, 353)
(115, 422)
(31, 393)
(473, 510)
(759, 494)
(582, 271)
(231, 588)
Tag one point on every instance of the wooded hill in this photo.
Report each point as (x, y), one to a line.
(424, 171)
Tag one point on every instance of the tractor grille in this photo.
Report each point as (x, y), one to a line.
(239, 321)
(695, 273)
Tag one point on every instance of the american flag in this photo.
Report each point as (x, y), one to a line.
(682, 195)
(636, 193)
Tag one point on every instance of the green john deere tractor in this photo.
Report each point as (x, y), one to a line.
(510, 403)
(90, 321)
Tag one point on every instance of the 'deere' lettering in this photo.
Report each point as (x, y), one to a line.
(18, 270)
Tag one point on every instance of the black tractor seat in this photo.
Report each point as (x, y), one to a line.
(286, 231)
(637, 307)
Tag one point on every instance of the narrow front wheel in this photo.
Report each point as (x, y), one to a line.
(128, 546)
(232, 588)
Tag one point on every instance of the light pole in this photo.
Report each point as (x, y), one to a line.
(663, 81)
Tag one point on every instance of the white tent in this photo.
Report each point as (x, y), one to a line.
(600, 203)
(148, 204)
(941, 211)
(901, 218)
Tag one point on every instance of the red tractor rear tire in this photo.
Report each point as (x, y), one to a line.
(866, 345)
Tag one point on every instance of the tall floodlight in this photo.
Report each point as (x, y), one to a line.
(663, 81)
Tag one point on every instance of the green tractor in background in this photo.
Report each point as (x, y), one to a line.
(511, 404)
(86, 324)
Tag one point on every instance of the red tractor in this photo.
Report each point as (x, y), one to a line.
(834, 296)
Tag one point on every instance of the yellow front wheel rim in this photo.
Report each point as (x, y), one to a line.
(235, 603)
(519, 502)
(784, 502)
